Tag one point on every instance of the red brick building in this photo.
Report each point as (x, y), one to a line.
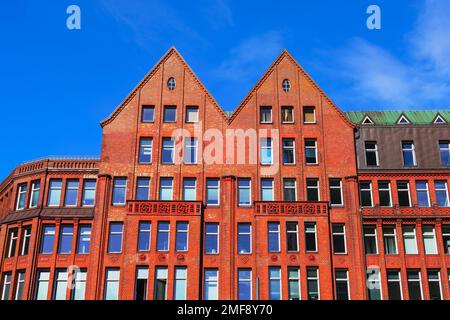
(190, 202)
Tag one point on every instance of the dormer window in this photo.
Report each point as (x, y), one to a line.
(286, 85)
(403, 120)
(439, 120)
(171, 83)
(367, 120)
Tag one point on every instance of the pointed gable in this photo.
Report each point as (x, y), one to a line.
(439, 119)
(367, 120)
(403, 120)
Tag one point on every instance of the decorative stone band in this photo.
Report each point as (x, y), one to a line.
(291, 208)
(165, 207)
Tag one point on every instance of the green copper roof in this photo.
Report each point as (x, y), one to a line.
(391, 117)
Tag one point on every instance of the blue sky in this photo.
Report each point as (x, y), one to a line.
(56, 84)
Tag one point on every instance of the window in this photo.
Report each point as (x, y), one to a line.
(244, 284)
(394, 285)
(339, 243)
(390, 239)
(292, 236)
(12, 242)
(144, 236)
(115, 237)
(274, 283)
(266, 189)
(409, 154)
(446, 238)
(190, 150)
(367, 120)
(212, 192)
(112, 284)
(35, 191)
(287, 114)
(434, 284)
(211, 284)
(294, 283)
(384, 193)
(163, 236)
(423, 198)
(65, 239)
(189, 189)
(84, 239)
(444, 150)
(71, 197)
(273, 236)
(309, 115)
(88, 199)
(336, 192)
(265, 115)
(365, 193)
(429, 239)
(312, 189)
(170, 114)
(370, 239)
(180, 283)
(145, 150)
(414, 285)
(60, 285)
(244, 192)
(171, 83)
(244, 238)
(119, 191)
(54, 193)
(312, 281)
(439, 120)
(143, 188)
(212, 238)
(266, 151)
(48, 239)
(441, 193)
(342, 289)
(168, 150)
(288, 151)
(310, 237)
(403, 120)
(311, 151)
(7, 278)
(191, 114)
(182, 235)
(148, 114)
(289, 190)
(140, 290)
(409, 239)
(42, 284)
(20, 284)
(371, 150)
(404, 199)
(286, 85)
(160, 283)
(79, 282)
(166, 189)
(26, 237)
(374, 284)
(21, 196)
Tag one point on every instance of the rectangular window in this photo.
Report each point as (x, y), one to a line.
(371, 150)
(71, 197)
(84, 239)
(60, 285)
(244, 284)
(342, 289)
(54, 193)
(166, 189)
(180, 284)
(384, 193)
(212, 192)
(265, 115)
(182, 236)
(144, 236)
(273, 236)
(374, 284)
(312, 282)
(339, 243)
(244, 238)
(434, 284)
(444, 150)
(7, 278)
(65, 239)
(190, 150)
(429, 239)
(312, 190)
(35, 191)
(409, 154)
(394, 285)
(336, 198)
(140, 290)
(244, 192)
(12, 242)
(404, 198)
(26, 237)
(288, 151)
(163, 236)
(143, 189)
(168, 151)
(309, 115)
(289, 190)
(170, 114)
(390, 239)
(287, 114)
(145, 150)
(148, 114)
(423, 197)
(112, 278)
(294, 283)
(409, 239)
(310, 237)
(88, 197)
(79, 282)
(48, 239)
(446, 238)
(189, 189)
(365, 193)
(21, 196)
(414, 285)
(160, 292)
(115, 237)
(274, 283)
(211, 286)
(267, 189)
(292, 236)
(370, 239)
(311, 151)
(211, 238)
(441, 190)
(191, 114)
(42, 284)
(119, 191)
(20, 284)
(266, 154)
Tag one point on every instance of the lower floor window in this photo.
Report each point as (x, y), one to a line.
(275, 283)
(112, 284)
(434, 284)
(342, 291)
(245, 284)
(374, 284)
(414, 285)
(312, 278)
(211, 286)
(140, 291)
(394, 285)
(160, 284)
(42, 281)
(294, 283)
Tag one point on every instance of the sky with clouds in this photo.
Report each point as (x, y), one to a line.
(57, 84)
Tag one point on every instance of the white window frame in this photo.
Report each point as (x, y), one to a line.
(340, 191)
(214, 187)
(277, 278)
(315, 235)
(250, 280)
(343, 233)
(182, 231)
(290, 187)
(189, 144)
(7, 282)
(438, 281)
(375, 234)
(422, 190)
(20, 281)
(265, 108)
(115, 187)
(249, 233)
(268, 147)
(409, 234)
(278, 232)
(250, 192)
(180, 278)
(291, 108)
(297, 269)
(399, 280)
(296, 235)
(161, 188)
(315, 151)
(33, 191)
(388, 189)
(375, 149)
(394, 227)
(346, 279)
(159, 231)
(13, 235)
(412, 150)
(26, 237)
(216, 234)
(287, 148)
(266, 188)
(77, 189)
(446, 191)
(407, 189)
(21, 192)
(370, 190)
(191, 108)
(427, 236)
(313, 187)
(314, 113)
(189, 187)
(216, 281)
(317, 278)
(146, 147)
(420, 281)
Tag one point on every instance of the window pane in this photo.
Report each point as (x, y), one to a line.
(211, 284)
(189, 189)
(145, 150)
(166, 189)
(191, 114)
(212, 191)
(244, 284)
(162, 241)
(266, 189)
(48, 239)
(182, 236)
(143, 188)
(54, 196)
(244, 192)
(115, 237)
(170, 113)
(89, 187)
(274, 236)
(65, 241)
(244, 238)
(119, 191)
(274, 283)
(144, 236)
(148, 113)
(212, 238)
(84, 239)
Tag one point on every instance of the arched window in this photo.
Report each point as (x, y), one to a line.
(171, 84)
(286, 85)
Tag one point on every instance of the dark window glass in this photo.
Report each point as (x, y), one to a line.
(170, 114)
(292, 236)
(394, 285)
(336, 192)
(384, 193)
(288, 151)
(341, 277)
(371, 150)
(365, 191)
(168, 151)
(414, 285)
(290, 193)
(310, 236)
(148, 113)
(265, 114)
(338, 238)
(312, 189)
(311, 151)
(141, 283)
(370, 239)
(403, 194)
(434, 284)
(312, 277)
(446, 238)
(287, 114)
